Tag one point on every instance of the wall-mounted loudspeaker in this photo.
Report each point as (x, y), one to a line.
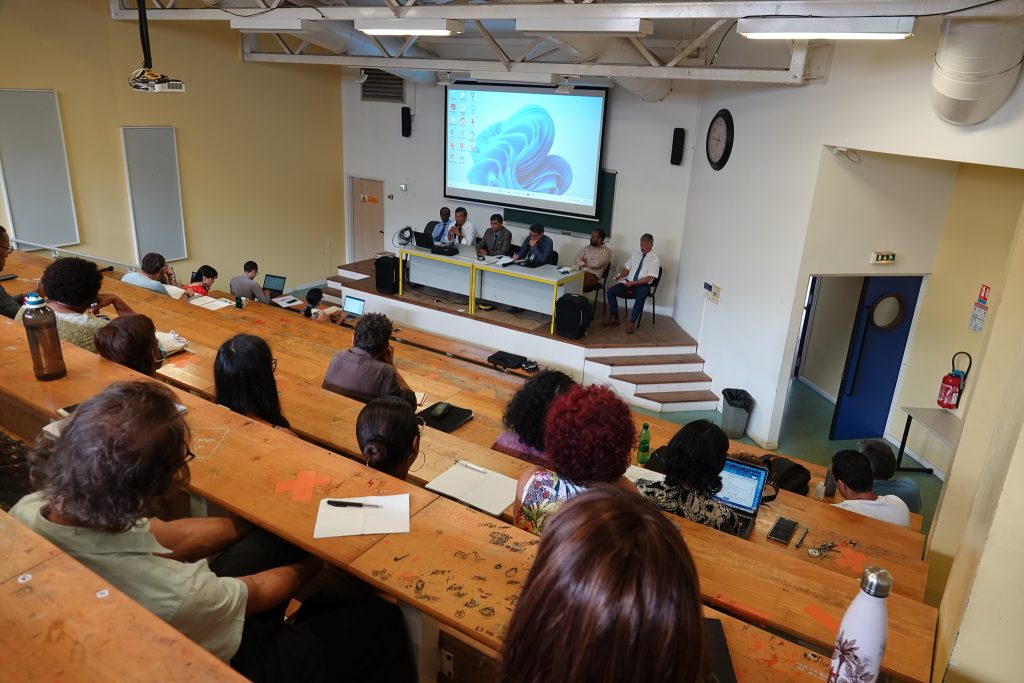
(407, 122)
(678, 138)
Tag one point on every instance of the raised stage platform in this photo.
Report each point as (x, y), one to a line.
(657, 367)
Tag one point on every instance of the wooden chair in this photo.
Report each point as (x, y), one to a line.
(599, 288)
(654, 288)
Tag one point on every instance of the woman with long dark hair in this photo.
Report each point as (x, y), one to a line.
(613, 597)
(244, 375)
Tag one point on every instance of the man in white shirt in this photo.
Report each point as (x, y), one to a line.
(637, 275)
(154, 273)
(459, 232)
(852, 471)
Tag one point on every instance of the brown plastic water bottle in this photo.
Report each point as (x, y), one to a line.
(43, 341)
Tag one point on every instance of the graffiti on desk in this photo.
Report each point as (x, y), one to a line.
(206, 440)
(382, 574)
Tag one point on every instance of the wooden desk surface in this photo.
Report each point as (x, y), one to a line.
(62, 622)
(328, 419)
(240, 464)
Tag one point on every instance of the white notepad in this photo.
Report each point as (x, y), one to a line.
(210, 303)
(174, 292)
(286, 301)
(633, 473)
(476, 486)
(392, 517)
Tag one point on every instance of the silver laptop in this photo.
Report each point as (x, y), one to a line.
(353, 307)
(467, 251)
(742, 488)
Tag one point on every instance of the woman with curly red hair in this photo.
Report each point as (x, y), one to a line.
(588, 436)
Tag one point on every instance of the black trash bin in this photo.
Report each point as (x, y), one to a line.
(736, 407)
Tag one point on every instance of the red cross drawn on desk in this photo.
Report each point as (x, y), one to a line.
(303, 484)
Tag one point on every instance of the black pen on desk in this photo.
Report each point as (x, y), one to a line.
(800, 541)
(351, 504)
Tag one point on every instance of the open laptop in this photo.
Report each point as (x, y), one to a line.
(742, 487)
(467, 251)
(424, 240)
(353, 307)
(274, 284)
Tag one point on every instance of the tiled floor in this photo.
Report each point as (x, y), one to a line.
(805, 426)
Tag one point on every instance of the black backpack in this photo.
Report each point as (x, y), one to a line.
(786, 475)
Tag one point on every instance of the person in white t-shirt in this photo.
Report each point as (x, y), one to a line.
(854, 478)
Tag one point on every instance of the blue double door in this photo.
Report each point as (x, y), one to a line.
(881, 328)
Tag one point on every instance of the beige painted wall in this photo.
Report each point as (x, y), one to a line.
(978, 630)
(983, 211)
(259, 145)
(828, 340)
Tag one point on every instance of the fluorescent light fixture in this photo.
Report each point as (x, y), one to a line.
(609, 28)
(514, 77)
(831, 28)
(565, 87)
(258, 25)
(409, 27)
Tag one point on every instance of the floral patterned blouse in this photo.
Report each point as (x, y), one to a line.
(544, 492)
(694, 506)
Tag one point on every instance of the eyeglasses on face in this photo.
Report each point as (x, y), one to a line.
(189, 455)
(273, 364)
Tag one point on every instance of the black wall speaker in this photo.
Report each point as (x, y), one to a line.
(678, 138)
(407, 122)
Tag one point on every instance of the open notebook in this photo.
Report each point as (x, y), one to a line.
(476, 486)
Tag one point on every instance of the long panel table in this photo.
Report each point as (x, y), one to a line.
(534, 289)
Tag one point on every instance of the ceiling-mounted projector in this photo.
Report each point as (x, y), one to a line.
(144, 79)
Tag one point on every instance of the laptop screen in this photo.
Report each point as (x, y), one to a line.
(274, 283)
(353, 306)
(742, 485)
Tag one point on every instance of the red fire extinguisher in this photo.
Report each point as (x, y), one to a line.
(952, 387)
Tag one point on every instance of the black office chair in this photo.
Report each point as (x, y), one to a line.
(599, 288)
(428, 229)
(553, 261)
(650, 296)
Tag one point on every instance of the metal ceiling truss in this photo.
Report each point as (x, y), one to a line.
(685, 64)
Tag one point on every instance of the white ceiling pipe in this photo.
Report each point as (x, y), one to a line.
(977, 64)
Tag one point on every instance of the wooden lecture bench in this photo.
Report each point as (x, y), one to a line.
(63, 622)
(245, 467)
(327, 419)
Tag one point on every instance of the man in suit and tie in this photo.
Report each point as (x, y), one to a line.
(496, 240)
(637, 275)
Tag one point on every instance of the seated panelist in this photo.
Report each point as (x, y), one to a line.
(442, 226)
(496, 240)
(537, 246)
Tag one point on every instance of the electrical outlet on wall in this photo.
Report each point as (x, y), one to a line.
(716, 293)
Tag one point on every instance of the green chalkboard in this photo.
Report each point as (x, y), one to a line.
(582, 226)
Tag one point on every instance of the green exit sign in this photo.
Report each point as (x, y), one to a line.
(883, 257)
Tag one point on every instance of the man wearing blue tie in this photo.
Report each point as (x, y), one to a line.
(637, 276)
(440, 231)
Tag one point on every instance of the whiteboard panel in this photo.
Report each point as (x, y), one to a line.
(34, 168)
(154, 191)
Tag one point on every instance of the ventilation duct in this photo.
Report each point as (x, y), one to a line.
(616, 51)
(976, 66)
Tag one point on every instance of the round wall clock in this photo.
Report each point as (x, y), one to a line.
(719, 143)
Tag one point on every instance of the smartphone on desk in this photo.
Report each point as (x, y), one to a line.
(782, 531)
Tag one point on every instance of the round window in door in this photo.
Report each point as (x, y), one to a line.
(888, 312)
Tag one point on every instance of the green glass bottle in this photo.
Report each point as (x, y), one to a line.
(643, 452)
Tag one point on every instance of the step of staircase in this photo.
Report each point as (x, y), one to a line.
(650, 363)
(673, 401)
(656, 382)
(597, 353)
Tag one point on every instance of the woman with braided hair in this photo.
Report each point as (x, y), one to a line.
(388, 433)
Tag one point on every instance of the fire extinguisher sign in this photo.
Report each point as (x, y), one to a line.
(980, 311)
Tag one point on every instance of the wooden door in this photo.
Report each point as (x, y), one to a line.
(367, 201)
